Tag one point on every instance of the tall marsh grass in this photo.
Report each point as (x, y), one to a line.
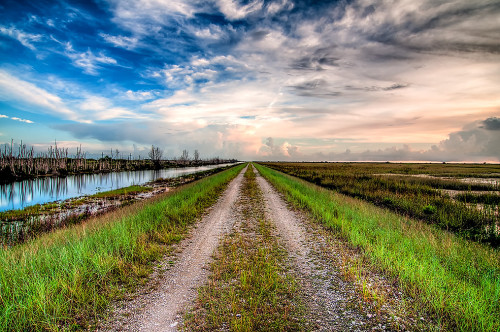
(418, 197)
(66, 279)
(458, 280)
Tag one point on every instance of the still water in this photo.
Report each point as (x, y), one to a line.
(18, 195)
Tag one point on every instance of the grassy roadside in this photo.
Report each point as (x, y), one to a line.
(248, 289)
(65, 279)
(457, 279)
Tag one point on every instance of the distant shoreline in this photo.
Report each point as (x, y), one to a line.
(8, 176)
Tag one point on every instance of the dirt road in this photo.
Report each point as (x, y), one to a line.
(331, 301)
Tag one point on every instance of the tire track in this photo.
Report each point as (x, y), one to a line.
(331, 301)
(160, 309)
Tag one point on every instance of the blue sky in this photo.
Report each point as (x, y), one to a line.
(261, 80)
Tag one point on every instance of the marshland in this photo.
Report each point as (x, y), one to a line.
(461, 198)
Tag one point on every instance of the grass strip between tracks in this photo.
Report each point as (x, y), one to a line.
(456, 279)
(66, 279)
(249, 288)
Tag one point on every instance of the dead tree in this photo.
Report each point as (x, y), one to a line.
(155, 154)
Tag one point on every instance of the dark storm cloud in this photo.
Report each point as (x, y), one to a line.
(428, 29)
(394, 86)
(491, 123)
(316, 88)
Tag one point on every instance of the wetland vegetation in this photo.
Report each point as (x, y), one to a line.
(461, 198)
(456, 279)
(66, 278)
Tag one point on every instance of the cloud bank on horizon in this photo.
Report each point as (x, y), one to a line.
(255, 79)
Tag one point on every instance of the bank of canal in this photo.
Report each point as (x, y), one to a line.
(21, 194)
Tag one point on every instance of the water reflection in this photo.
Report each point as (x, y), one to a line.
(18, 195)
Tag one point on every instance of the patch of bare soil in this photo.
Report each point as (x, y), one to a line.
(336, 300)
(173, 286)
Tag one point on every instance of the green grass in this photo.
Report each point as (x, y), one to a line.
(131, 190)
(472, 198)
(458, 280)
(66, 279)
(29, 211)
(249, 288)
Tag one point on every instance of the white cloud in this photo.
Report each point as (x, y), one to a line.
(201, 71)
(121, 41)
(276, 6)
(22, 120)
(2, 116)
(26, 39)
(100, 108)
(211, 32)
(233, 11)
(139, 95)
(88, 60)
(92, 108)
(17, 90)
(200, 62)
(143, 17)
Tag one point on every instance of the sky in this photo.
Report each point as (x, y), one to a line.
(375, 80)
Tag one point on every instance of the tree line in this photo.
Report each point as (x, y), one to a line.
(23, 162)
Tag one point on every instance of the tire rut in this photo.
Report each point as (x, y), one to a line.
(159, 310)
(332, 301)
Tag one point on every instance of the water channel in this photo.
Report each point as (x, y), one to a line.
(18, 195)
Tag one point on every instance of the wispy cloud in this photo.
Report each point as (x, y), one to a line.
(202, 70)
(121, 41)
(87, 109)
(2, 116)
(26, 39)
(140, 95)
(88, 61)
(22, 120)
(20, 91)
(234, 11)
(99, 108)
(144, 17)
